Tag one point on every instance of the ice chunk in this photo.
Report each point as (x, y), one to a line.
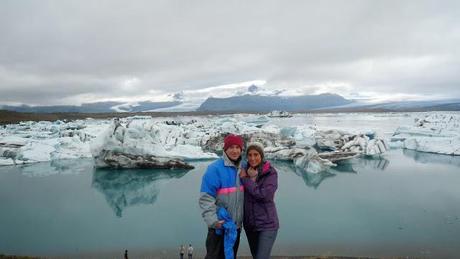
(191, 152)
(279, 114)
(13, 141)
(336, 140)
(112, 159)
(136, 146)
(71, 148)
(36, 151)
(434, 133)
(313, 164)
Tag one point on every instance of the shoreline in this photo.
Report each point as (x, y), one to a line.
(11, 117)
(196, 256)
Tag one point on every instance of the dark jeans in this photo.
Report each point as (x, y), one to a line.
(261, 243)
(215, 245)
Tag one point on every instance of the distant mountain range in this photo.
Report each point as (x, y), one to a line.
(422, 105)
(248, 103)
(260, 103)
(98, 107)
(433, 105)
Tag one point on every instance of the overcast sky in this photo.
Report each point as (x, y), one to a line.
(69, 52)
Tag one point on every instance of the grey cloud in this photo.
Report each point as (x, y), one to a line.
(69, 48)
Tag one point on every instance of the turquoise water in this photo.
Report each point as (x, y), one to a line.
(405, 203)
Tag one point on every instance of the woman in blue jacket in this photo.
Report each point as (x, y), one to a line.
(260, 220)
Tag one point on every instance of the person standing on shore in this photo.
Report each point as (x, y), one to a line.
(221, 187)
(190, 251)
(182, 251)
(260, 181)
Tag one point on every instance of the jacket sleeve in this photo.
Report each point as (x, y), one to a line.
(207, 201)
(264, 191)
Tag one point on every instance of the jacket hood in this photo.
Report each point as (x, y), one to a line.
(229, 162)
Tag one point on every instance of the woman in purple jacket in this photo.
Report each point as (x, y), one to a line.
(260, 219)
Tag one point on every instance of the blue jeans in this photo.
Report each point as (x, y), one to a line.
(261, 243)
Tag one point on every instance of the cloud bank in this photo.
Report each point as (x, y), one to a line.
(70, 52)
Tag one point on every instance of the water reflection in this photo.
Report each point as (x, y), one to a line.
(64, 167)
(310, 179)
(426, 158)
(124, 188)
(314, 180)
(358, 164)
(351, 166)
(344, 166)
(376, 163)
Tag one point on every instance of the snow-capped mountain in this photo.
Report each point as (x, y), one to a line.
(243, 97)
(98, 107)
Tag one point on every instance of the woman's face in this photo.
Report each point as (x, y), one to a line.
(254, 158)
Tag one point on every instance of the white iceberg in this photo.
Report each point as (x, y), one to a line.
(143, 141)
(141, 145)
(434, 133)
(31, 142)
(279, 114)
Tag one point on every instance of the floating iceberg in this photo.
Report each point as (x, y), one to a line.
(279, 114)
(134, 146)
(146, 142)
(434, 133)
(31, 142)
(337, 140)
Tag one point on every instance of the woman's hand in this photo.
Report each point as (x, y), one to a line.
(252, 173)
(243, 173)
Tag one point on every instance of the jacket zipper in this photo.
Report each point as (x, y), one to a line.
(237, 183)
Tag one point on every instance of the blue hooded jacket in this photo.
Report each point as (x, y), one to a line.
(230, 232)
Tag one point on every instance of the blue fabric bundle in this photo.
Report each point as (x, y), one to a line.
(230, 232)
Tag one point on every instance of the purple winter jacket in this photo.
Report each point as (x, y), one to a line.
(259, 205)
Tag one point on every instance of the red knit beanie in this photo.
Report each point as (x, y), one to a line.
(231, 139)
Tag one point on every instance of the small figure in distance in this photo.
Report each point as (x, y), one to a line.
(190, 251)
(126, 254)
(182, 251)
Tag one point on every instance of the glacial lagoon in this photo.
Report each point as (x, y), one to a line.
(406, 204)
(403, 203)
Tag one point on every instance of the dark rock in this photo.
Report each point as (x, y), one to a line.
(111, 159)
